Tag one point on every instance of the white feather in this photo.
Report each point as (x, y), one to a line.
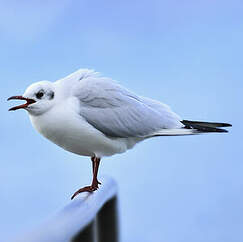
(93, 115)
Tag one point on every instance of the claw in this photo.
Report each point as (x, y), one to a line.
(91, 188)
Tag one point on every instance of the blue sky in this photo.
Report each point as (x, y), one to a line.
(187, 54)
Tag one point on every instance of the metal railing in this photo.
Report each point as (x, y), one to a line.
(90, 217)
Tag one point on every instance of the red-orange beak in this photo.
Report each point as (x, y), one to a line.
(28, 102)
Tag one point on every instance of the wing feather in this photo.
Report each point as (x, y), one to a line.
(117, 112)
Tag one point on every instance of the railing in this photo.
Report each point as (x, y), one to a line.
(90, 217)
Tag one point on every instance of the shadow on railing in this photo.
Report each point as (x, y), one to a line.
(103, 228)
(90, 217)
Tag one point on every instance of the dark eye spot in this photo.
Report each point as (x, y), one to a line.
(52, 95)
(40, 94)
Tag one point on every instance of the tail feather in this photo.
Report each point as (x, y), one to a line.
(174, 132)
(192, 128)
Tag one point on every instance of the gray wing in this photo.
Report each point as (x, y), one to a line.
(117, 112)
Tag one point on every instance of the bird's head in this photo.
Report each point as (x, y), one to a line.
(39, 98)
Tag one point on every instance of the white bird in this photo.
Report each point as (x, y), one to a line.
(94, 116)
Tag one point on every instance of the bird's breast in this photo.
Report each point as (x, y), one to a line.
(69, 130)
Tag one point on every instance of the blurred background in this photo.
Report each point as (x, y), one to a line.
(187, 54)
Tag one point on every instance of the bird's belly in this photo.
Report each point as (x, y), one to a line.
(77, 136)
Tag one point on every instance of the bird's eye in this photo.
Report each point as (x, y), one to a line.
(40, 94)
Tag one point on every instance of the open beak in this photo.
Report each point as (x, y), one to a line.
(28, 102)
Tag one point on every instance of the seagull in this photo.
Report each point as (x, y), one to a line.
(91, 115)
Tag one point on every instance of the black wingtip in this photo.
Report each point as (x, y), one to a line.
(207, 127)
(206, 124)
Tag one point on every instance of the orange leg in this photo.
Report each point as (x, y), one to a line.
(95, 183)
(93, 167)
